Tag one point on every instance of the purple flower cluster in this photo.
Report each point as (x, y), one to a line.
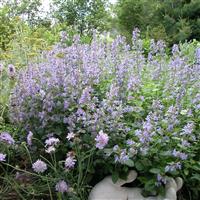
(70, 161)
(173, 167)
(2, 157)
(179, 154)
(62, 186)
(29, 138)
(101, 140)
(64, 89)
(51, 144)
(7, 138)
(145, 135)
(52, 141)
(188, 128)
(39, 166)
(140, 104)
(161, 180)
(122, 157)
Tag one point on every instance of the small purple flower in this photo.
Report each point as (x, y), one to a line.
(65, 120)
(62, 186)
(66, 105)
(63, 36)
(133, 82)
(175, 153)
(170, 127)
(135, 34)
(138, 133)
(173, 167)
(160, 180)
(101, 140)
(198, 55)
(185, 143)
(116, 158)
(70, 136)
(85, 97)
(115, 148)
(183, 156)
(70, 162)
(130, 142)
(50, 149)
(147, 125)
(80, 112)
(123, 157)
(2, 157)
(179, 154)
(11, 70)
(188, 128)
(175, 49)
(178, 165)
(52, 141)
(29, 138)
(197, 107)
(39, 166)
(7, 138)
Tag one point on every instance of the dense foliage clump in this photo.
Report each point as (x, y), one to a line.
(105, 108)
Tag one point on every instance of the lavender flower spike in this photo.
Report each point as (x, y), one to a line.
(29, 138)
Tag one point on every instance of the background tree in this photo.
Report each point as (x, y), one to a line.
(171, 20)
(84, 15)
(29, 10)
(7, 27)
(137, 13)
(180, 18)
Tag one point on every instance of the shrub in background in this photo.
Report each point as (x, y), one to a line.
(7, 28)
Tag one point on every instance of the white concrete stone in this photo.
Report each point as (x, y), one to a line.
(107, 190)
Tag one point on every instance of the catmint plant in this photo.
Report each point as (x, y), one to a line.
(107, 107)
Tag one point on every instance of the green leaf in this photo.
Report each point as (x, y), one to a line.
(183, 112)
(115, 177)
(108, 151)
(186, 172)
(129, 163)
(154, 171)
(150, 185)
(139, 166)
(196, 177)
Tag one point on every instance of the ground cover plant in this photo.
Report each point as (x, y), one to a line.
(89, 110)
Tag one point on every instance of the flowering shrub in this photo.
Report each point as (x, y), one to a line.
(105, 108)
